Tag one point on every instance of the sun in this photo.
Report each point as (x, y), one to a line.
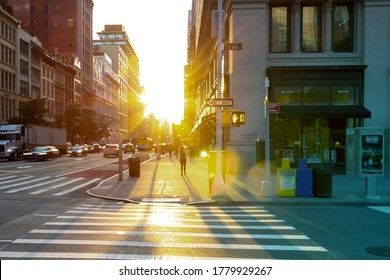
(164, 106)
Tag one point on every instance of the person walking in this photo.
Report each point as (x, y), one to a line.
(183, 158)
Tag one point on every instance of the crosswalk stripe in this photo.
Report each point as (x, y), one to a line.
(14, 180)
(223, 226)
(169, 245)
(175, 234)
(185, 232)
(156, 219)
(92, 256)
(15, 185)
(23, 183)
(178, 214)
(7, 177)
(57, 186)
(169, 210)
(77, 187)
(141, 207)
(384, 209)
(34, 186)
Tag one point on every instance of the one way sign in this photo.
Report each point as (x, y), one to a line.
(220, 102)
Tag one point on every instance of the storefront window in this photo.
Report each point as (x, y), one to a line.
(288, 95)
(344, 95)
(280, 38)
(311, 29)
(316, 95)
(319, 140)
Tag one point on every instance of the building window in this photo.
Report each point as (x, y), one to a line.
(311, 28)
(280, 29)
(342, 27)
(24, 47)
(24, 68)
(24, 88)
(70, 22)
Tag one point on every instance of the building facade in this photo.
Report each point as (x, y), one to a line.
(28, 73)
(65, 29)
(106, 86)
(114, 41)
(9, 100)
(324, 68)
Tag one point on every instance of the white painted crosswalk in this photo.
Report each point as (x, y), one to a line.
(56, 186)
(128, 231)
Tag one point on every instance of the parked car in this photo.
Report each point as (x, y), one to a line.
(44, 153)
(111, 150)
(95, 148)
(129, 148)
(76, 151)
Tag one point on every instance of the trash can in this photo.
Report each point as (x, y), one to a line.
(322, 181)
(134, 166)
(304, 177)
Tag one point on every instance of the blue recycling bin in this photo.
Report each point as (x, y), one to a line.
(304, 179)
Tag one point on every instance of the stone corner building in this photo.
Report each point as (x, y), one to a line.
(328, 66)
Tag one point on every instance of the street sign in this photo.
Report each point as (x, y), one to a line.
(220, 102)
(274, 108)
(235, 46)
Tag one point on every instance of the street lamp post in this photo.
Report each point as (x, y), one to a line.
(218, 186)
(266, 184)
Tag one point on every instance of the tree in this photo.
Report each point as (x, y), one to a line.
(80, 124)
(73, 121)
(32, 112)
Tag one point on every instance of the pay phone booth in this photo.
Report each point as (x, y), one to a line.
(366, 155)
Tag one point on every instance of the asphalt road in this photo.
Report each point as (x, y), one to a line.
(39, 220)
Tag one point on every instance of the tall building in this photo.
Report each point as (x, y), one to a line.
(65, 29)
(327, 67)
(9, 74)
(115, 42)
(27, 73)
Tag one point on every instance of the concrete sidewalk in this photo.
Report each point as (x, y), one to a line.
(160, 181)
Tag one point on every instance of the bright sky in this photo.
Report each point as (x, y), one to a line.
(158, 32)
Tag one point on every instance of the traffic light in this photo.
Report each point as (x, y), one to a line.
(237, 118)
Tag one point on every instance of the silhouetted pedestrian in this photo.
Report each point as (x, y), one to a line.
(183, 158)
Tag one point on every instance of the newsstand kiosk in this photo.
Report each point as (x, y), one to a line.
(366, 156)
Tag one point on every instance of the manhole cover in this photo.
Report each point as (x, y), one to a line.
(379, 251)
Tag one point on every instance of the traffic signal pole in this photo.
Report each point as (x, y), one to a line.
(266, 183)
(218, 186)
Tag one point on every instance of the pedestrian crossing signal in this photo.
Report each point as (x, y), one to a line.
(238, 118)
